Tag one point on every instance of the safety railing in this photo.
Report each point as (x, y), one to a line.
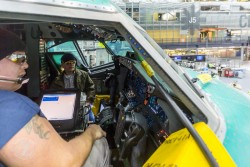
(171, 43)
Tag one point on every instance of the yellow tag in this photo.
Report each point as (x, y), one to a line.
(147, 68)
(204, 78)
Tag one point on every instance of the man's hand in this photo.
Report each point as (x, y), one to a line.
(96, 131)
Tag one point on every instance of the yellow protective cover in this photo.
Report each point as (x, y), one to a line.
(97, 101)
(181, 150)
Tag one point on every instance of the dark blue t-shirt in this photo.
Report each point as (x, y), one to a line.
(15, 111)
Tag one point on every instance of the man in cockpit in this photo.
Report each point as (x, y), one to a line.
(72, 77)
(28, 140)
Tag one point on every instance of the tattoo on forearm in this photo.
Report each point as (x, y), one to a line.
(37, 128)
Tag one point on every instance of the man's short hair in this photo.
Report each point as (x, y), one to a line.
(67, 57)
(9, 43)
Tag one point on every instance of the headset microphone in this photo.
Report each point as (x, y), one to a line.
(22, 80)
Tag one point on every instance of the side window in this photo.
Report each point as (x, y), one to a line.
(95, 53)
(68, 47)
(119, 47)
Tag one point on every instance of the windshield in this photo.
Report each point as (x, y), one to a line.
(119, 48)
(93, 52)
(66, 47)
(178, 69)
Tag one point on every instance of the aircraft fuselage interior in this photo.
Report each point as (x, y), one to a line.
(137, 112)
(135, 115)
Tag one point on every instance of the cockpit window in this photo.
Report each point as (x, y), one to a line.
(119, 47)
(66, 47)
(178, 70)
(94, 53)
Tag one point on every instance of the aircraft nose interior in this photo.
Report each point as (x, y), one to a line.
(147, 97)
(128, 105)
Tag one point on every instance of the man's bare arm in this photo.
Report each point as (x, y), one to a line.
(38, 144)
